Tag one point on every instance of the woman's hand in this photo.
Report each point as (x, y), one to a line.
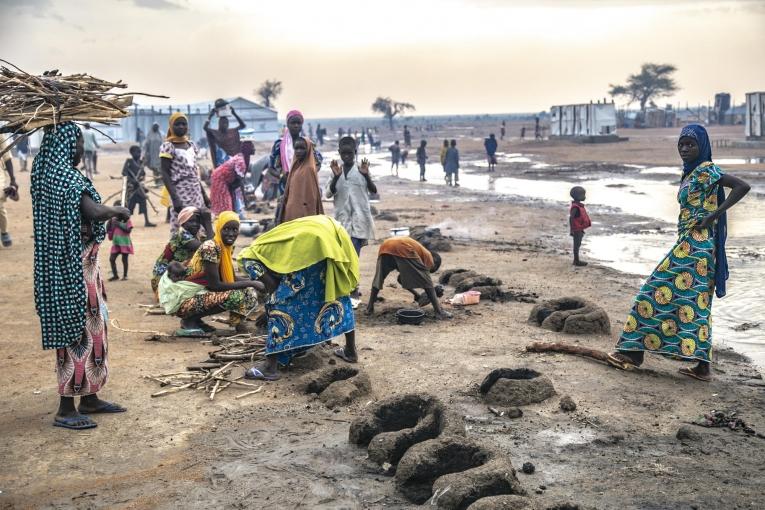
(335, 167)
(707, 222)
(121, 213)
(257, 285)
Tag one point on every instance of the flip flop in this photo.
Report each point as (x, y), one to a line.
(340, 353)
(105, 409)
(207, 328)
(69, 423)
(191, 333)
(256, 375)
(619, 363)
(690, 373)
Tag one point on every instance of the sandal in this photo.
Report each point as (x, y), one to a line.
(340, 353)
(71, 422)
(256, 375)
(191, 333)
(692, 373)
(107, 408)
(619, 361)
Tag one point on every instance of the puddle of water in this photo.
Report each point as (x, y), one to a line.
(639, 254)
(671, 170)
(740, 161)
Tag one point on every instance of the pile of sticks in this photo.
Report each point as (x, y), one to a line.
(29, 102)
(215, 375)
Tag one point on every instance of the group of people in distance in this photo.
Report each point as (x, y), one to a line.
(304, 272)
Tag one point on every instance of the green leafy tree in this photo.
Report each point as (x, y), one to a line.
(390, 108)
(268, 92)
(653, 81)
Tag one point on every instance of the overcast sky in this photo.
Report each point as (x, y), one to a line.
(445, 56)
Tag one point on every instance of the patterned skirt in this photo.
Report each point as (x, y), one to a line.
(672, 312)
(298, 317)
(240, 302)
(82, 368)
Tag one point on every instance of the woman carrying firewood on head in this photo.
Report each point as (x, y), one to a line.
(69, 295)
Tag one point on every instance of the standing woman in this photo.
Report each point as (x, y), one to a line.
(283, 152)
(69, 295)
(302, 196)
(228, 179)
(672, 312)
(179, 169)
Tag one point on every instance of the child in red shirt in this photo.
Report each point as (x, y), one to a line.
(578, 221)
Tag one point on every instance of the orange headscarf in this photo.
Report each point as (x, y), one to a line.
(171, 136)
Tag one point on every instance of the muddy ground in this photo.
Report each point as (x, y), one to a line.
(281, 448)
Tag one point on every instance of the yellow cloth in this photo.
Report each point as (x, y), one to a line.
(303, 242)
(171, 137)
(226, 265)
(165, 199)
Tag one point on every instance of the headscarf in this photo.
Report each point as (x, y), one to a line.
(287, 151)
(226, 252)
(301, 243)
(57, 187)
(186, 214)
(302, 196)
(171, 136)
(700, 135)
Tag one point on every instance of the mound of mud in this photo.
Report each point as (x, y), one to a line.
(496, 293)
(516, 387)
(393, 425)
(505, 502)
(386, 216)
(572, 315)
(337, 386)
(431, 238)
(454, 472)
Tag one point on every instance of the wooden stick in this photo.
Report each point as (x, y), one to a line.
(215, 388)
(247, 393)
(568, 349)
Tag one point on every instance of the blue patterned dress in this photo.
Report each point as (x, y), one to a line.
(298, 316)
(672, 312)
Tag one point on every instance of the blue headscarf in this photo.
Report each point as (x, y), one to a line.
(699, 134)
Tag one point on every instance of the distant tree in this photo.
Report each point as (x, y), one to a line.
(653, 81)
(390, 108)
(269, 90)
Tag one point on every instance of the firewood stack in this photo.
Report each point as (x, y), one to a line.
(29, 102)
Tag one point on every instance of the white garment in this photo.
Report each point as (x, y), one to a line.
(351, 200)
(188, 154)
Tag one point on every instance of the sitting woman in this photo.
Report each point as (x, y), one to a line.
(183, 244)
(212, 268)
(309, 267)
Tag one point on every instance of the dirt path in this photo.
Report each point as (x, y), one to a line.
(282, 449)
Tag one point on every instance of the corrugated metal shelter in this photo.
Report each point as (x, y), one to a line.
(262, 122)
(589, 119)
(754, 125)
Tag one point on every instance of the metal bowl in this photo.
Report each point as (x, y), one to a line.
(410, 316)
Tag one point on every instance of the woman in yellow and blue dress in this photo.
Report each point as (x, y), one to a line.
(309, 267)
(671, 315)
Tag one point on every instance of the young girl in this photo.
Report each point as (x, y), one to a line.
(119, 235)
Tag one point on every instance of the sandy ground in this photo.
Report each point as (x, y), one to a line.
(281, 449)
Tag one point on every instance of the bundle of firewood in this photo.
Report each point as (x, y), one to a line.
(29, 102)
